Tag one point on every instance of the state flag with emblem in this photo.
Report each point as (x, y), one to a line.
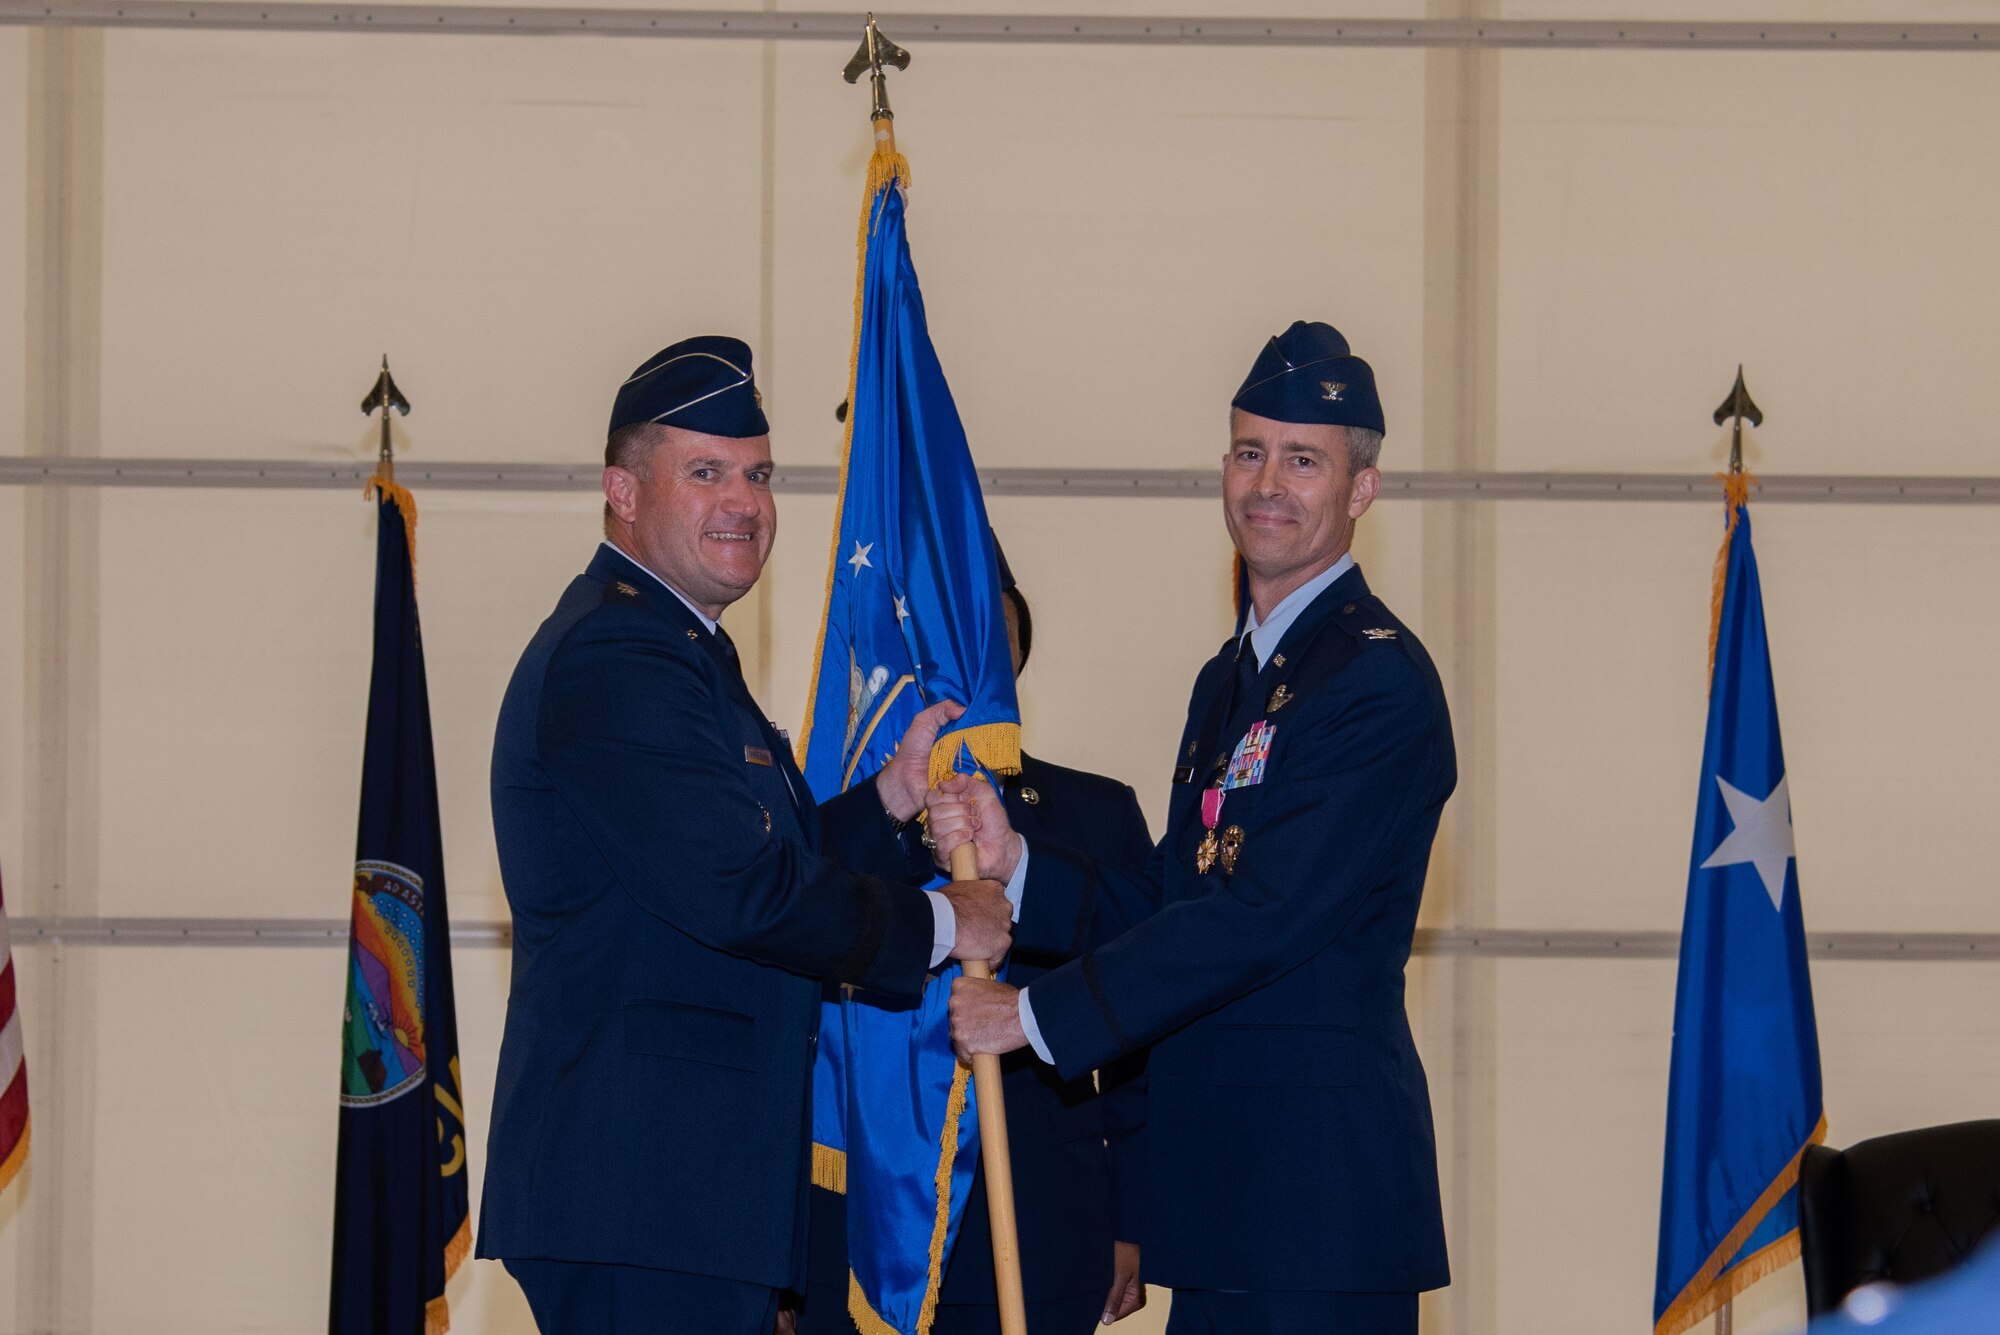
(402, 1216)
(1744, 1097)
(13, 1065)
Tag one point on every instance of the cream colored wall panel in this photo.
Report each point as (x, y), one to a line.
(216, 1132)
(1584, 1050)
(14, 779)
(1772, 11)
(13, 242)
(1824, 219)
(236, 660)
(910, 35)
(517, 223)
(1887, 731)
(1106, 236)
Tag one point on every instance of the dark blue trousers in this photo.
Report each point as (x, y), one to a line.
(578, 1298)
(1208, 1312)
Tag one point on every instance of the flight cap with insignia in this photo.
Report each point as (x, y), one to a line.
(1307, 374)
(699, 384)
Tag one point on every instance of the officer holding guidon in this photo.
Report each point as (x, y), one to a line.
(678, 899)
(1290, 1161)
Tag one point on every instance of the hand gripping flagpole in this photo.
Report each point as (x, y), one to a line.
(874, 52)
(993, 1150)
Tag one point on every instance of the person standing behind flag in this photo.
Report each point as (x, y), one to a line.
(1291, 1165)
(677, 898)
(1075, 1149)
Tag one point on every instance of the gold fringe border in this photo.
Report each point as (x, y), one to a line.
(1735, 495)
(996, 746)
(886, 167)
(1710, 1288)
(437, 1312)
(865, 1317)
(17, 1158)
(829, 1169)
(381, 488)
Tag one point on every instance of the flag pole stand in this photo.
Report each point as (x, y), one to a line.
(993, 1150)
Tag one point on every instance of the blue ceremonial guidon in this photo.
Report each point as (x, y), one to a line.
(913, 616)
(1743, 1098)
(401, 1220)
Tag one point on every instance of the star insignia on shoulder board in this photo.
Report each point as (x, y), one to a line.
(1379, 633)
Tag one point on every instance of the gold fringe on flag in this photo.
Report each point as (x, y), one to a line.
(437, 1312)
(885, 167)
(1710, 1288)
(18, 1156)
(1736, 495)
(866, 1319)
(381, 488)
(996, 746)
(829, 1168)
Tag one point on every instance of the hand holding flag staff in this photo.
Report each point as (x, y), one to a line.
(1744, 1097)
(913, 616)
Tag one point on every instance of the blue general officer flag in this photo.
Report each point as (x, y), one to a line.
(912, 617)
(1743, 1099)
(401, 1220)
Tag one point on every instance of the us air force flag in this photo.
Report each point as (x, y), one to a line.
(401, 1222)
(913, 616)
(1743, 1100)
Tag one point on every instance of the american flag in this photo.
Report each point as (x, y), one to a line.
(13, 1067)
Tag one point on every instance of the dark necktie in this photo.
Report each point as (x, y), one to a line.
(775, 743)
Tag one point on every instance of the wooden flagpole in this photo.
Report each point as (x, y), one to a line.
(993, 1149)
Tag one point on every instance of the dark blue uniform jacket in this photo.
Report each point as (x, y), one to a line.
(677, 902)
(1288, 1134)
(1073, 1149)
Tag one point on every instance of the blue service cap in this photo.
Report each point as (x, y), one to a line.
(1307, 374)
(700, 384)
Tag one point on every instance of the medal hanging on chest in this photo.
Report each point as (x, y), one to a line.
(1210, 847)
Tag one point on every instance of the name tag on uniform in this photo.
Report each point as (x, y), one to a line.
(757, 755)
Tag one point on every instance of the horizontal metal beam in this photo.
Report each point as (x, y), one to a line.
(1491, 943)
(1160, 30)
(33, 470)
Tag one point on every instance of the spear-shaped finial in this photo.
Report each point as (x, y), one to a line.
(1739, 406)
(385, 396)
(874, 52)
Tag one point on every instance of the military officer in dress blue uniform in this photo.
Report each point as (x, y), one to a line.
(1075, 1149)
(678, 900)
(1290, 1164)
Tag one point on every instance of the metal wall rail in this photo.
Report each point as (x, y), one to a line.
(1149, 482)
(1493, 943)
(34, 470)
(1163, 30)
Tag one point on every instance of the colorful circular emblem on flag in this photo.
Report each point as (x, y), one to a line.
(382, 1035)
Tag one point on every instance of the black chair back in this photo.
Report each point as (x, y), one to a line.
(1902, 1208)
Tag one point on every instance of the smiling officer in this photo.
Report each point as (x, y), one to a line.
(678, 899)
(1291, 1166)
